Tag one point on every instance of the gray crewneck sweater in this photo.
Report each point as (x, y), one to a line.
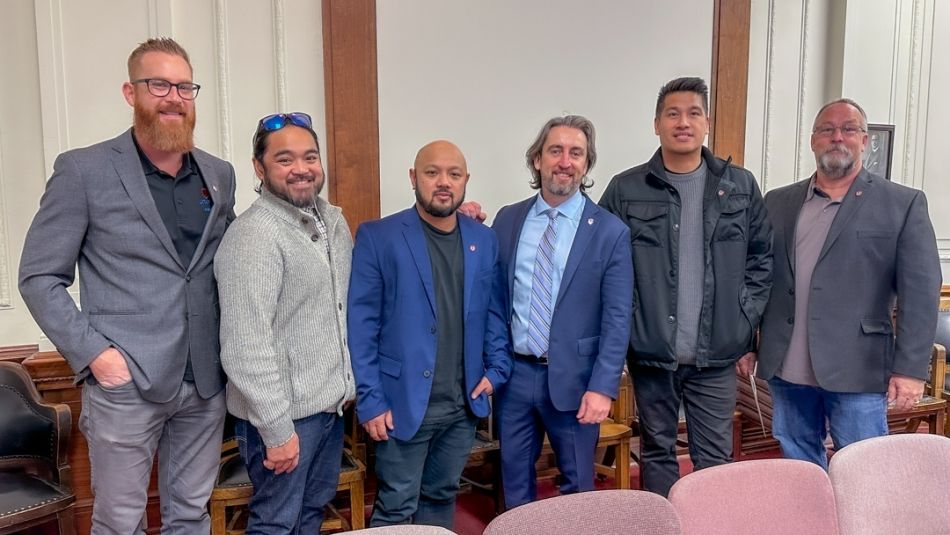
(283, 315)
(691, 265)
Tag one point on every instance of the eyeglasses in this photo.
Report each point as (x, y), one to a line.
(161, 88)
(848, 130)
(280, 120)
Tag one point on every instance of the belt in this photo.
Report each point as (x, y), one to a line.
(541, 361)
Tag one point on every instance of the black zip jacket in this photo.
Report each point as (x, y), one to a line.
(737, 249)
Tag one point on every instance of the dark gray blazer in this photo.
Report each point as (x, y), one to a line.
(880, 248)
(136, 295)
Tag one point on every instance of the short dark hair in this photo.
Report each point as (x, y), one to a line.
(260, 143)
(165, 45)
(691, 84)
(572, 121)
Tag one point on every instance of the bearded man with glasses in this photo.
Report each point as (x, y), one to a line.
(283, 270)
(848, 246)
(142, 215)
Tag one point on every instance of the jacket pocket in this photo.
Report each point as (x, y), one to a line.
(587, 347)
(873, 326)
(390, 366)
(732, 219)
(647, 222)
(880, 234)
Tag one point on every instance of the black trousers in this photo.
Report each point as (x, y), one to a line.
(708, 396)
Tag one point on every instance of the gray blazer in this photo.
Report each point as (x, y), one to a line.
(880, 248)
(136, 295)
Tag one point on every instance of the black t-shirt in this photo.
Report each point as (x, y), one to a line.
(446, 401)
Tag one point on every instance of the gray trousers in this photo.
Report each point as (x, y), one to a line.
(124, 432)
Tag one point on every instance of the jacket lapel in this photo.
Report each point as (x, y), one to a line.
(213, 186)
(470, 253)
(852, 202)
(521, 214)
(129, 168)
(412, 232)
(585, 231)
(790, 221)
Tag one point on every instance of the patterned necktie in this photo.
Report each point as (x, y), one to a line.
(539, 319)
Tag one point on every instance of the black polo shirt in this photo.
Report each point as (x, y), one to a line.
(183, 202)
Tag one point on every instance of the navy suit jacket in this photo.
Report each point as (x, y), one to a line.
(590, 324)
(392, 318)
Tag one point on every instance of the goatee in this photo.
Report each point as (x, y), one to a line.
(175, 137)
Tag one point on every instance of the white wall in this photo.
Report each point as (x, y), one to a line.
(882, 53)
(63, 65)
(488, 74)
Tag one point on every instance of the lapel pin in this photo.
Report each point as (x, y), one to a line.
(214, 187)
(590, 221)
(858, 193)
(721, 193)
(471, 248)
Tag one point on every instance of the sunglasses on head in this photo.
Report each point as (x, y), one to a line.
(280, 120)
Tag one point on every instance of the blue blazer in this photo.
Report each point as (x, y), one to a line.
(392, 318)
(590, 325)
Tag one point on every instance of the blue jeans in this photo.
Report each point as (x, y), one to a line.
(802, 416)
(293, 502)
(418, 479)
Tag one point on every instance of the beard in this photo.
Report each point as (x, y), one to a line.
(300, 200)
(836, 164)
(560, 189)
(439, 211)
(165, 137)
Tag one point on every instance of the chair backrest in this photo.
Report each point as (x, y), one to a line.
(604, 512)
(775, 496)
(27, 427)
(893, 484)
(408, 529)
(942, 336)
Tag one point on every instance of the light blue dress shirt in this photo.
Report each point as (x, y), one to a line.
(569, 217)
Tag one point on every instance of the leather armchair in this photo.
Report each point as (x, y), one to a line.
(35, 478)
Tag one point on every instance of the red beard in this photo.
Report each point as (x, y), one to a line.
(165, 137)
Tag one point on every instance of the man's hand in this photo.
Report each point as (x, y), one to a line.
(110, 368)
(483, 386)
(594, 408)
(904, 391)
(283, 458)
(474, 210)
(379, 427)
(745, 366)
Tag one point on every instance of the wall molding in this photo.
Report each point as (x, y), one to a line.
(49, 48)
(221, 68)
(917, 89)
(280, 54)
(802, 135)
(6, 269)
(769, 103)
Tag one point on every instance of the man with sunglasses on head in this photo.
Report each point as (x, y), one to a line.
(283, 270)
(429, 340)
(142, 215)
(849, 245)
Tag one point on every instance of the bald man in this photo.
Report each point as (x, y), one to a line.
(428, 339)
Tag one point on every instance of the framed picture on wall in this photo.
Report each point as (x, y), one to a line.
(880, 149)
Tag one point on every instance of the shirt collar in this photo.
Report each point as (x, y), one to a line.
(571, 208)
(149, 168)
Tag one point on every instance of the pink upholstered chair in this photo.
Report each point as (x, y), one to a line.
(408, 529)
(603, 512)
(893, 484)
(774, 496)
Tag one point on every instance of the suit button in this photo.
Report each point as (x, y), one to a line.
(672, 273)
(791, 321)
(427, 374)
(188, 278)
(791, 291)
(314, 237)
(432, 329)
(676, 226)
(671, 319)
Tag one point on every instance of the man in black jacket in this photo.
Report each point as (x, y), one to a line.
(702, 254)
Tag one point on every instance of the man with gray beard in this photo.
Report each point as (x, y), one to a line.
(848, 246)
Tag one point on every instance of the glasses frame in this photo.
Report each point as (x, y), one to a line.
(822, 131)
(151, 91)
(269, 123)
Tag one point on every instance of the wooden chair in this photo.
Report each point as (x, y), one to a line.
(931, 409)
(35, 477)
(233, 489)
